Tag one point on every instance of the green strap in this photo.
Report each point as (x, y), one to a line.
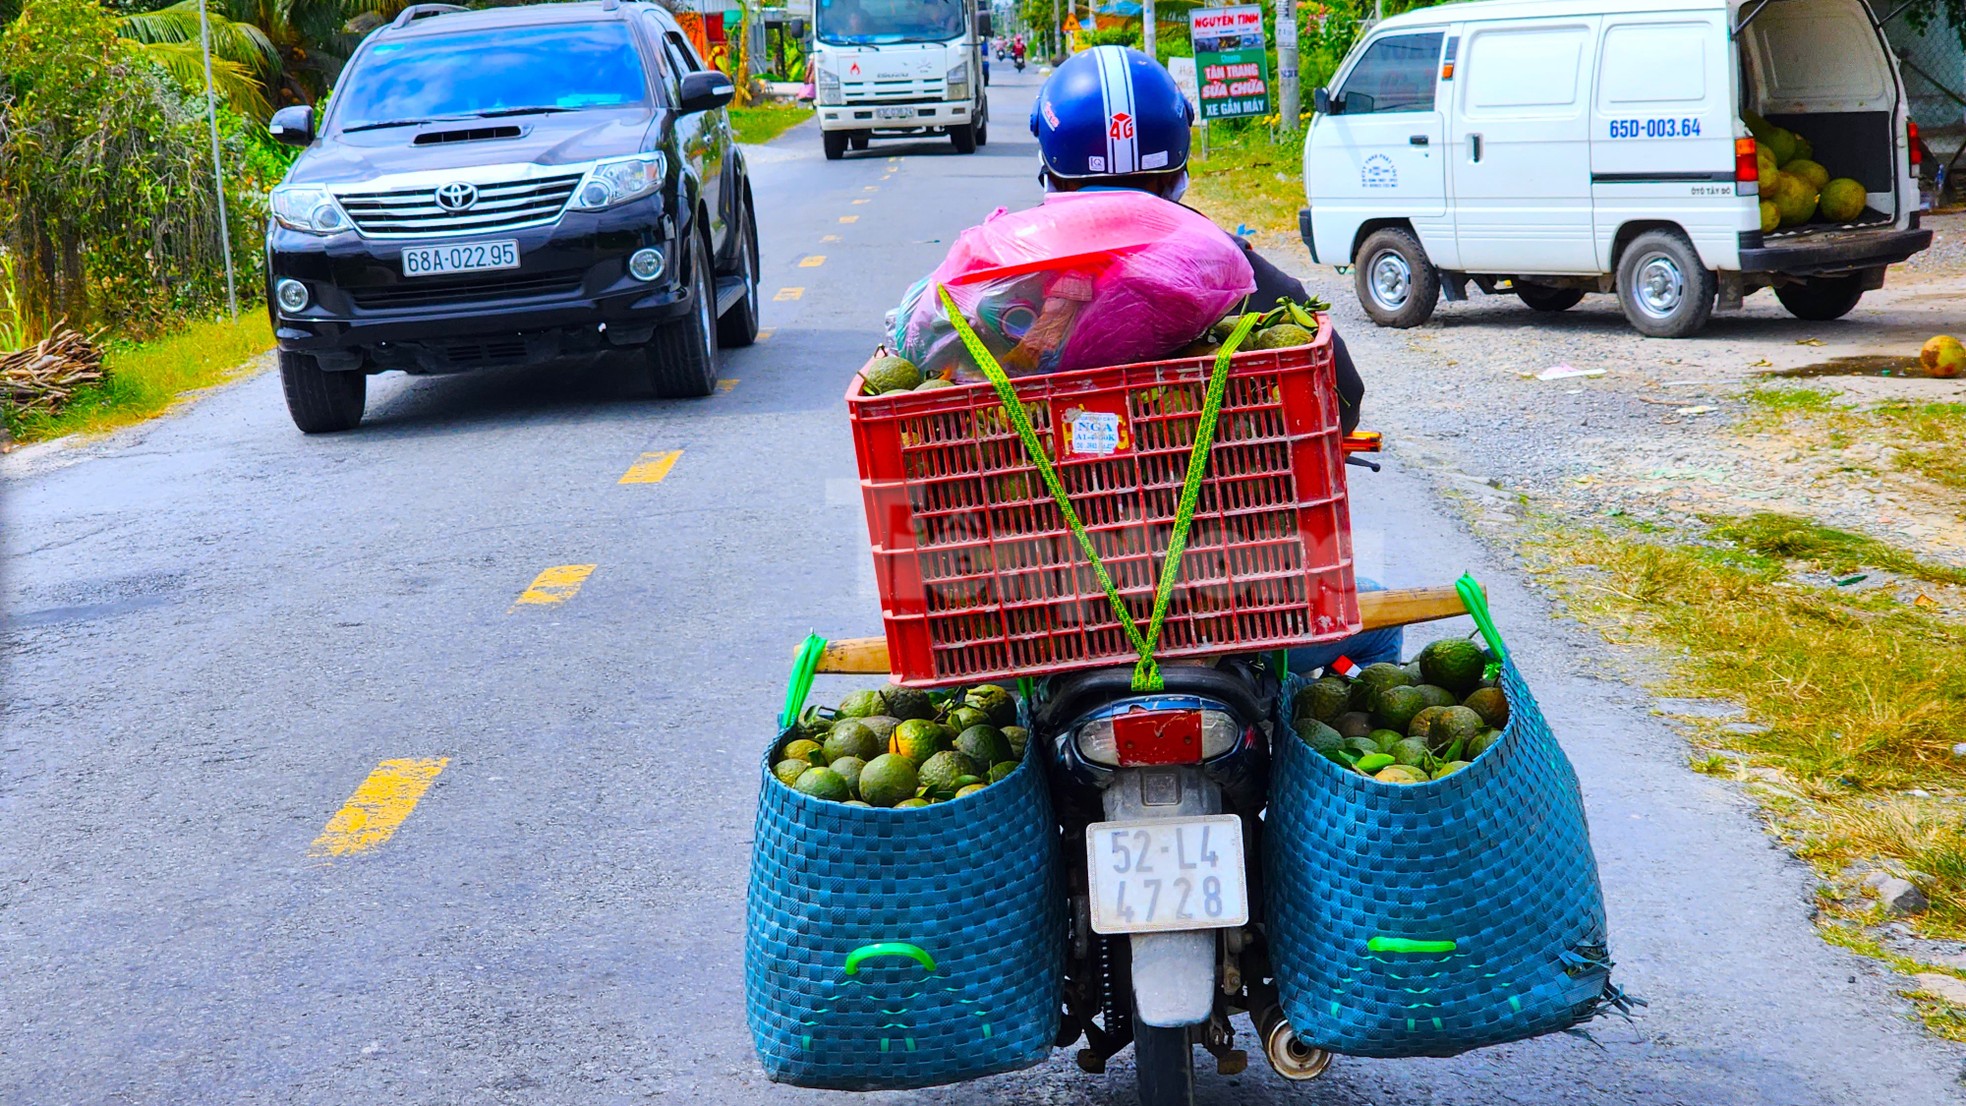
(1477, 605)
(888, 948)
(804, 665)
(1146, 674)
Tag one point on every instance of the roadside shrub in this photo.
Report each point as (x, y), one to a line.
(106, 204)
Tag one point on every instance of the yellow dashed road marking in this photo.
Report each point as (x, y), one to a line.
(788, 294)
(849, 218)
(378, 806)
(870, 188)
(650, 468)
(728, 383)
(813, 262)
(829, 238)
(555, 585)
(766, 333)
(860, 201)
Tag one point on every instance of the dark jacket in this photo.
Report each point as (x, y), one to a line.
(1272, 283)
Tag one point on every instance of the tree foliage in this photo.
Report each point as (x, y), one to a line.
(106, 201)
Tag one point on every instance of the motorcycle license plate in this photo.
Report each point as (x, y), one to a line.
(894, 113)
(469, 257)
(1173, 873)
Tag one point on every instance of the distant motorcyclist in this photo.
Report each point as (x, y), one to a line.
(1089, 139)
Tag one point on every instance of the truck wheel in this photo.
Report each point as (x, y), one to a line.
(982, 130)
(1163, 1065)
(322, 402)
(739, 326)
(857, 139)
(964, 137)
(1665, 291)
(1821, 299)
(1396, 283)
(835, 143)
(1542, 297)
(681, 359)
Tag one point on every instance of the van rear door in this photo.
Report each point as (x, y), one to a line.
(1521, 146)
(1662, 132)
(1380, 157)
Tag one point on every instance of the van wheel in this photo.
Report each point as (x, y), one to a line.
(1665, 291)
(322, 402)
(835, 143)
(1396, 283)
(1542, 297)
(1821, 299)
(681, 359)
(964, 136)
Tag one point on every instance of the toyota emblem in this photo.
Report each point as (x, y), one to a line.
(457, 196)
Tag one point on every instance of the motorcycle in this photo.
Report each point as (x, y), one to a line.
(1165, 939)
(1017, 59)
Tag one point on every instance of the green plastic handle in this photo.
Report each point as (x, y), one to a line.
(1407, 944)
(1477, 605)
(888, 948)
(803, 668)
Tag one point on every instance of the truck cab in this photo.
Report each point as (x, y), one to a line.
(1559, 148)
(899, 69)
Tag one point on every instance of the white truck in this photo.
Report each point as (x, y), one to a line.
(1553, 148)
(899, 69)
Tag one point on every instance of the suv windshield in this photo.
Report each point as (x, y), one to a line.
(478, 72)
(861, 22)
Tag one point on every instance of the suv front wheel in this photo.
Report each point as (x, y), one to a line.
(322, 402)
(681, 359)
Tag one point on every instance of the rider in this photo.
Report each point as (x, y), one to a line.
(1085, 145)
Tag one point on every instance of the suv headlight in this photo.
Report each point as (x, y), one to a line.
(826, 85)
(618, 180)
(308, 208)
(958, 80)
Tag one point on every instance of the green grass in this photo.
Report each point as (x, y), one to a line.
(764, 122)
(1247, 179)
(1786, 400)
(1926, 439)
(144, 379)
(1862, 696)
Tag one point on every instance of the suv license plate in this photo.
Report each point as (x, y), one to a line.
(469, 257)
(894, 113)
(1174, 873)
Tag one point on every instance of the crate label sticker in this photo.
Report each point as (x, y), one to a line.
(1097, 433)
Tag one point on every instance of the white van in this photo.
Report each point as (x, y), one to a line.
(1551, 148)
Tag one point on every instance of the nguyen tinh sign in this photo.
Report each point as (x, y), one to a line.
(1231, 61)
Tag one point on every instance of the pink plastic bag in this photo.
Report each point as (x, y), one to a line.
(1084, 279)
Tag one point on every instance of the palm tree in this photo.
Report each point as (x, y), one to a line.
(244, 60)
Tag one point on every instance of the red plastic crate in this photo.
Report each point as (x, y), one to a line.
(980, 578)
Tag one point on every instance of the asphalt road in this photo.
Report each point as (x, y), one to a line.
(219, 628)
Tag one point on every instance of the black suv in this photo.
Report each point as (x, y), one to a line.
(507, 187)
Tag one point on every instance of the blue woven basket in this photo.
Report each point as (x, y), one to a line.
(888, 949)
(1429, 919)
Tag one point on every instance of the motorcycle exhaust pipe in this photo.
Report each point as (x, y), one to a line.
(1292, 1058)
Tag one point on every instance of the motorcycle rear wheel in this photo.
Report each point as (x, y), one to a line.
(1164, 1065)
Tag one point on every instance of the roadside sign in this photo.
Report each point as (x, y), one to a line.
(1183, 72)
(1232, 60)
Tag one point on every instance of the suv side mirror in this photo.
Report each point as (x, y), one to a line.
(293, 126)
(982, 24)
(705, 90)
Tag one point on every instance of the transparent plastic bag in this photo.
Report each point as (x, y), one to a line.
(1084, 279)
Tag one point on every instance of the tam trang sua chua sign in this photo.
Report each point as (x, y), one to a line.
(1231, 60)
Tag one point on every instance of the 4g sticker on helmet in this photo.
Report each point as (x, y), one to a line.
(1120, 126)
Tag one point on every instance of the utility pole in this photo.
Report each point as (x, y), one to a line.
(218, 173)
(1287, 62)
(1147, 40)
(1057, 29)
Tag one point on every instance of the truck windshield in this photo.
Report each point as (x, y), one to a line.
(877, 22)
(473, 73)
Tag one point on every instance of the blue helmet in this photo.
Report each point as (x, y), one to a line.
(1111, 111)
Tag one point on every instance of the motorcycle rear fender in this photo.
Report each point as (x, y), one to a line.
(1173, 972)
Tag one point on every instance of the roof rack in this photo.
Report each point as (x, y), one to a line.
(419, 11)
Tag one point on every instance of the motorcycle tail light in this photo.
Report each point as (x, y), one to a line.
(1143, 734)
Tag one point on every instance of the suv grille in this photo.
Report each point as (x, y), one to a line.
(413, 212)
(438, 291)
